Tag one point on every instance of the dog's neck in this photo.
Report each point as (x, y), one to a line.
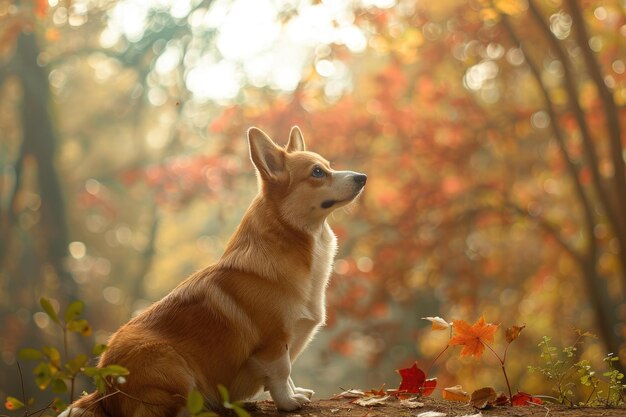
(262, 233)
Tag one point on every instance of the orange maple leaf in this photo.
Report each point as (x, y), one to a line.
(472, 338)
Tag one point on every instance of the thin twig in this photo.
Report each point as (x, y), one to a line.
(41, 410)
(19, 368)
(432, 364)
(506, 378)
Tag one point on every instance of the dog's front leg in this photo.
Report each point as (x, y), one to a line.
(298, 390)
(276, 370)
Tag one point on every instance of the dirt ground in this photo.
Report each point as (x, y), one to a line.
(345, 408)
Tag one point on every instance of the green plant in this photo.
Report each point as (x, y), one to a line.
(567, 374)
(57, 369)
(588, 378)
(558, 367)
(196, 407)
(616, 387)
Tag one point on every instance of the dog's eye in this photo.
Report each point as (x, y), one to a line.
(318, 172)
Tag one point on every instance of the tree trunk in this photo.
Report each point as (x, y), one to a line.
(39, 142)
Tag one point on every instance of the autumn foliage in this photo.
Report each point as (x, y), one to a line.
(492, 133)
(473, 339)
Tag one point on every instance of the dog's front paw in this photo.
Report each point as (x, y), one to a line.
(303, 391)
(292, 402)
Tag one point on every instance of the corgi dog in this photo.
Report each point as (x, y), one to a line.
(243, 321)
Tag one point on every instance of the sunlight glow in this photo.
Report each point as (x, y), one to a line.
(168, 60)
(239, 42)
(78, 250)
(244, 34)
(478, 75)
(218, 81)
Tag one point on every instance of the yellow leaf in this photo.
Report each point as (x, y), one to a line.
(455, 393)
(438, 323)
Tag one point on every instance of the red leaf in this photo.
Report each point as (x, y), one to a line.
(414, 381)
(429, 386)
(522, 398)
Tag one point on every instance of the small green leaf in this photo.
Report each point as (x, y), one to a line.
(80, 326)
(240, 411)
(223, 393)
(47, 307)
(59, 405)
(114, 370)
(30, 354)
(74, 366)
(91, 371)
(58, 386)
(53, 354)
(99, 349)
(195, 402)
(43, 375)
(13, 403)
(74, 310)
(106, 371)
(100, 383)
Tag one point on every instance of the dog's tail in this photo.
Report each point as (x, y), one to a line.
(88, 406)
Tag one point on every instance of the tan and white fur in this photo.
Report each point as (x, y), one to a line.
(243, 321)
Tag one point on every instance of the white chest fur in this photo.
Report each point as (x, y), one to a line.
(324, 250)
(313, 314)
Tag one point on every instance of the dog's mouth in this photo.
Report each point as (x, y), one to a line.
(329, 203)
(326, 204)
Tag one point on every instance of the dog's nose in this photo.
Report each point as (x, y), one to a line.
(360, 179)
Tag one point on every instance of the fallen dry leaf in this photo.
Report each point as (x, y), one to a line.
(455, 393)
(431, 414)
(411, 403)
(376, 392)
(371, 401)
(501, 400)
(522, 398)
(482, 397)
(351, 393)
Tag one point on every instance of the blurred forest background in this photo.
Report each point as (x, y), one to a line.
(492, 133)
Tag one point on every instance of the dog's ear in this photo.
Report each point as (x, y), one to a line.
(266, 156)
(296, 141)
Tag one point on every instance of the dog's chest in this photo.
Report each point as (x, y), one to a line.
(324, 249)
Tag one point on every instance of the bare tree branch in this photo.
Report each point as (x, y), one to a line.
(610, 110)
(560, 140)
(602, 304)
(579, 114)
(548, 229)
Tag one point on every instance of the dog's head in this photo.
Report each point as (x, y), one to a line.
(300, 184)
